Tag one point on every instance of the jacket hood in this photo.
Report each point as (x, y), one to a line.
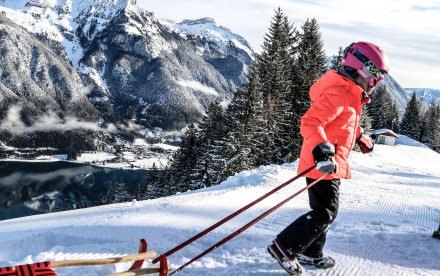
(331, 79)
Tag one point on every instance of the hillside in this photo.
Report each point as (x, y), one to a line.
(134, 67)
(426, 94)
(398, 94)
(35, 78)
(387, 214)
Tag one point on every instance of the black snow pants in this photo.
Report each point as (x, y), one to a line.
(307, 234)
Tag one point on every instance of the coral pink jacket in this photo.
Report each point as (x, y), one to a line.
(333, 116)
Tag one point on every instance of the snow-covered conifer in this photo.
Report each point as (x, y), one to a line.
(309, 65)
(410, 125)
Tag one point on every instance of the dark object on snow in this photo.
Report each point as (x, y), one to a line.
(287, 261)
(324, 262)
(436, 234)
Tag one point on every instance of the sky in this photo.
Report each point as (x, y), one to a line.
(408, 30)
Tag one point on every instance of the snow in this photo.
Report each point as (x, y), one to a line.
(207, 27)
(43, 17)
(198, 86)
(384, 130)
(388, 212)
(95, 157)
(426, 94)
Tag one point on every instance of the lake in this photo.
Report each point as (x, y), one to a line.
(35, 187)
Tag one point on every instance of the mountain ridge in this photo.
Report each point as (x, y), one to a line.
(129, 60)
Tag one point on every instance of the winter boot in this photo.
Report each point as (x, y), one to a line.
(436, 234)
(324, 262)
(287, 261)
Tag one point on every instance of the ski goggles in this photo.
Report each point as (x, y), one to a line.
(368, 70)
(371, 74)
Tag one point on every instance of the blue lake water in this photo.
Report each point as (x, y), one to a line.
(28, 188)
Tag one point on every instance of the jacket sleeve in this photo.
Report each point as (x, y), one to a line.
(323, 110)
(358, 132)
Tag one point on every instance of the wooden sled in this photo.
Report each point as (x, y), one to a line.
(46, 268)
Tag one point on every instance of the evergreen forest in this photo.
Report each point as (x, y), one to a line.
(261, 124)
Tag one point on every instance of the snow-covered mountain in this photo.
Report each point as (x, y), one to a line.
(155, 72)
(398, 94)
(401, 96)
(207, 27)
(427, 94)
(387, 214)
(34, 78)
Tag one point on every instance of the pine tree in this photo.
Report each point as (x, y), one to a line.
(183, 162)
(337, 59)
(110, 197)
(153, 176)
(64, 204)
(246, 127)
(430, 132)
(380, 108)
(310, 64)
(236, 119)
(256, 127)
(275, 64)
(211, 164)
(121, 194)
(394, 119)
(164, 183)
(365, 121)
(410, 125)
(150, 188)
(138, 193)
(100, 200)
(83, 203)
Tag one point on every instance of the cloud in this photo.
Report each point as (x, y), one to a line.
(199, 87)
(405, 29)
(47, 122)
(425, 8)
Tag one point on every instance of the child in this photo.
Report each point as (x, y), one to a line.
(330, 129)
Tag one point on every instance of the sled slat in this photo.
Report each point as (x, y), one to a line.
(120, 259)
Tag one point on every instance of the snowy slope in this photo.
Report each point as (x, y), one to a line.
(387, 214)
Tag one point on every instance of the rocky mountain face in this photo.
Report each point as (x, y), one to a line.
(35, 78)
(401, 96)
(398, 94)
(129, 64)
(427, 94)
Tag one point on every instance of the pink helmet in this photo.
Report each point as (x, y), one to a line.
(368, 59)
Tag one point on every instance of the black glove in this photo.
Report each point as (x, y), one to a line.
(323, 154)
(365, 143)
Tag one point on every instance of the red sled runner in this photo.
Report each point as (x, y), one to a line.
(46, 268)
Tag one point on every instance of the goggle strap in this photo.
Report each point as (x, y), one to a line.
(349, 50)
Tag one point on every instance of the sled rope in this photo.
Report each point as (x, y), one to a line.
(214, 226)
(242, 229)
